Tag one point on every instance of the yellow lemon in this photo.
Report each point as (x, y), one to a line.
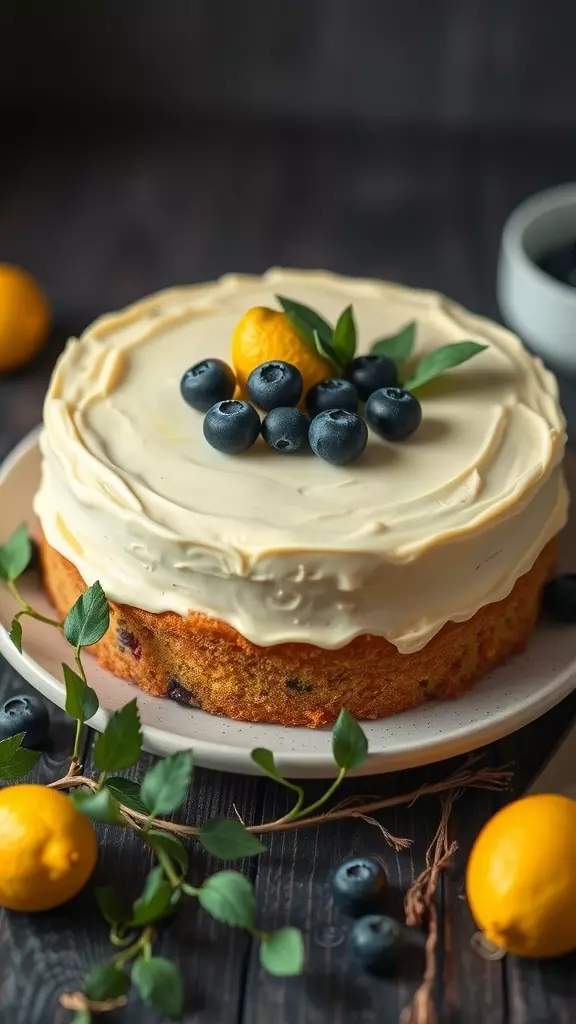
(521, 877)
(264, 334)
(47, 848)
(24, 317)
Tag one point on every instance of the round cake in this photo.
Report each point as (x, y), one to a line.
(281, 588)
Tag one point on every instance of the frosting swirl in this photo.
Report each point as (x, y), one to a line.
(291, 548)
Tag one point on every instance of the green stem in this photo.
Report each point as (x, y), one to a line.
(305, 811)
(167, 867)
(143, 941)
(101, 779)
(28, 610)
(77, 740)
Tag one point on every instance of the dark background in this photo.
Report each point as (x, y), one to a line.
(149, 144)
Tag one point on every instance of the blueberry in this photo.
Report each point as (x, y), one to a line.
(334, 393)
(24, 713)
(559, 598)
(285, 429)
(274, 384)
(231, 426)
(394, 414)
(375, 943)
(338, 436)
(358, 886)
(368, 373)
(206, 383)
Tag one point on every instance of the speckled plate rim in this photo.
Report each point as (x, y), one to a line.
(509, 698)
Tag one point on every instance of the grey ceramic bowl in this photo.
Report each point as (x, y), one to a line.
(536, 306)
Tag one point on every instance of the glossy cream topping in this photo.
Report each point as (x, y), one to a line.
(291, 548)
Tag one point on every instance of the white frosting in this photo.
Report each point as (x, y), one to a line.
(290, 548)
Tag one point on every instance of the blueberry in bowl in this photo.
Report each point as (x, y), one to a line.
(334, 393)
(368, 373)
(231, 426)
(393, 414)
(275, 384)
(285, 429)
(206, 383)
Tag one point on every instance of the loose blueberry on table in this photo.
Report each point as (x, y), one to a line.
(275, 384)
(393, 413)
(338, 436)
(559, 598)
(375, 942)
(358, 886)
(206, 383)
(231, 426)
(334, 393)
(368, 373)
(285, 430)
(25, 713)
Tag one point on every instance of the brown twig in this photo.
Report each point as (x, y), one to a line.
(484, 778)
(419, 907)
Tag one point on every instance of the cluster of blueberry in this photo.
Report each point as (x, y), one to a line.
(333, 429)
(359, 890)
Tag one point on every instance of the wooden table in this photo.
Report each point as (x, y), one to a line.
(102, 222)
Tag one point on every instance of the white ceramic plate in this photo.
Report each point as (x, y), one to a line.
(510, 698)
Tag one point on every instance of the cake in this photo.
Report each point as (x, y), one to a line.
(279, 588)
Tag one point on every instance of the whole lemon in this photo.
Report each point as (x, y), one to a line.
(24, 317)
(47, 848)
(521, 877)
(265, 334)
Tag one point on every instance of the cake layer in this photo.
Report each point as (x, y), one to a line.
(289, 548)
(206, 664)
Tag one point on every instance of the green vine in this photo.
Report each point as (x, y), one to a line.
(227, 895)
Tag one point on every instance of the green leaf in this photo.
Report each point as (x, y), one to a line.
(15, 554)
(15, 634)
(349, 743)
(398, 347)
(325, 350)
(82, 1017)
(265, 760)
(106, 981)
(88, 619)
(171, 845)
(344, 336)
(119, 746)
(305, 320)
(166, 784)
(81, 700)
(155, 901)
(441, 359)
(228, 839)
(159, 983)
(100, 806)
(229, 897)
(126, 792)
(282, 953)
(110, 905)
(15, 760)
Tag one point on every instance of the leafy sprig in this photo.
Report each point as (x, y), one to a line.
(228, 895)
(337, 345)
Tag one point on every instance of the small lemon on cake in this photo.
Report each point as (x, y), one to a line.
(24, 317)
(264, 335)
(47, 848)
(521, 877)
